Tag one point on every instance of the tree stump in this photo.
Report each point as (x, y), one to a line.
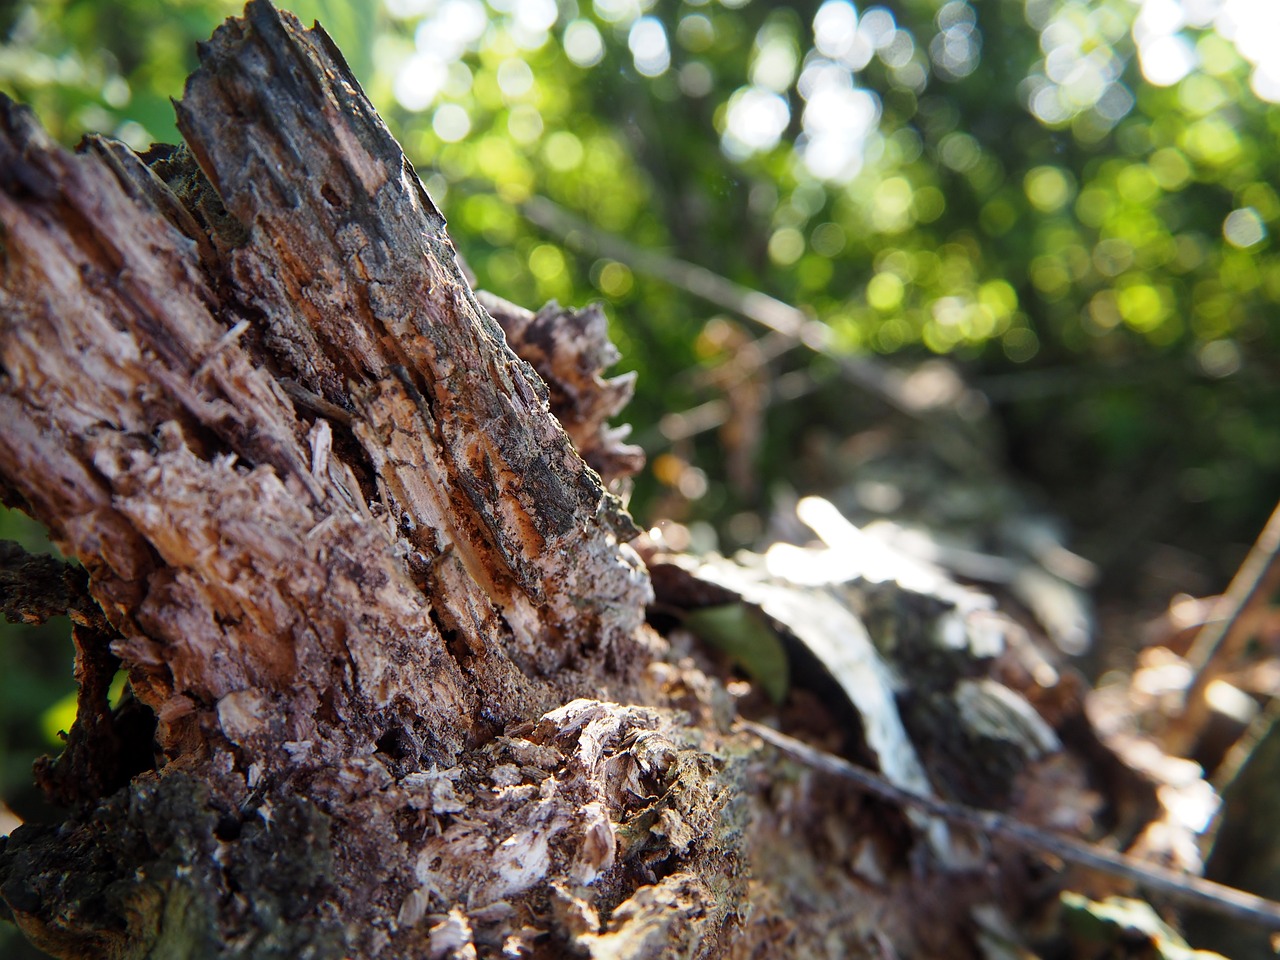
(392, 689)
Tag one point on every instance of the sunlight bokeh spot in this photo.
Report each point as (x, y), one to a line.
(891, 205)
(821, 73)
(959, 151)
(1020, 344)
(755, 121)
(1254, 27)
(878, 26)
(615, 279)
(583, 43)
(928, 204)
(1166, 60)
(1080, 72)
(1141, 306)
(525, 124)
(408, 9)
(546, 261)
(1212, 140)
(1170, 168)
(535, 15)
(999, 297)
(648, 43)
(695, 33)
(1219, 358)
(1168, 54)
(1113, 256)
(899, 50)
(1137, 185)
(621, 12)
(828, 239)
(998, 216)
(957, 48)
(1244, 228)
(696, 79)
(835, 26)
(1201, 93)
(838, 121)
(563, 150)
(1263, 199)
(452, 28)
(786, 246)
(1050, 277)
(1047, 188)
(419, 81)
(775, 61)
(515, 78)
(885, 292)
(451, 122)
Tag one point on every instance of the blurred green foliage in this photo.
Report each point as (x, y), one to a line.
(998, 182)
(36, 683)
(1071, 200)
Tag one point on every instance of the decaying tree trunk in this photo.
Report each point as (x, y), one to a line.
(384, 616)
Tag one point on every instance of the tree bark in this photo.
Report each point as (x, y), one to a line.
(379, 616)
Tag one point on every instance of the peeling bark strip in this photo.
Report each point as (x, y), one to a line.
(571, 349)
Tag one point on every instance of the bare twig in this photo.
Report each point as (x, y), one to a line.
(1191, 890)
(1227, 629)
(1234, 762)
(674, 427)
(782, 318)
(956, 437)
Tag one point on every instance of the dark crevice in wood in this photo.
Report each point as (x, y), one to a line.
(106, 748)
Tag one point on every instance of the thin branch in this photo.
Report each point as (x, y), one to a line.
(675, 427)
(1191, 890)
(956, 437)
(1227, 629)
(1234, 762)
(782, 318)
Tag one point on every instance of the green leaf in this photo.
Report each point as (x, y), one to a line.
(1119, 919)
(742, 632)
(58, 718)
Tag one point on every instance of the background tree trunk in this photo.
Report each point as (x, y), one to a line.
(383, 614)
